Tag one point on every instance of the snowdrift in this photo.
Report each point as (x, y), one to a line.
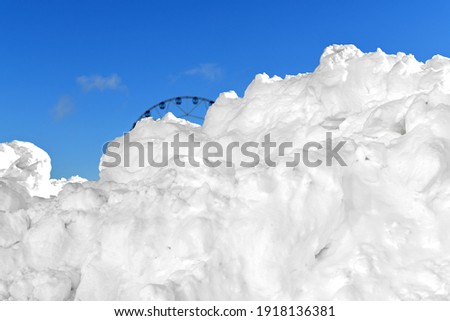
(376, 229)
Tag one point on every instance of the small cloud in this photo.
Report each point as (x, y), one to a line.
(101, 83)
(210, 72)
(63, 107)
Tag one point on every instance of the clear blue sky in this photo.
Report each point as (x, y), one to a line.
(74, 74)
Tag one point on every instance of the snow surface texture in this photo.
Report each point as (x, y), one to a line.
(376, 229)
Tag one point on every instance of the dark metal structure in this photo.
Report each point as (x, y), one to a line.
(190, 108)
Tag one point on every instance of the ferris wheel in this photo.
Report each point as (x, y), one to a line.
(190, 108)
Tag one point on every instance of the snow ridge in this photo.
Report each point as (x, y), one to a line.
(374, 230)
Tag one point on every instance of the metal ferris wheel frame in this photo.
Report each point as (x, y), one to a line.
(177, 105)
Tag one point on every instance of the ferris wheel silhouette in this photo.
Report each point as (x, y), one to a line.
(190, 108)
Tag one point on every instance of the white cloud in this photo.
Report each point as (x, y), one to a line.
(63, 107)
(208, 71)
(101, 83)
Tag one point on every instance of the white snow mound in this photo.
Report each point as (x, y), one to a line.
(375, 229)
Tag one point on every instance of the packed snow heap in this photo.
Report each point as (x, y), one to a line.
(375, 229)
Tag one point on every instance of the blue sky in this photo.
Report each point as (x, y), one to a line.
(75, 74)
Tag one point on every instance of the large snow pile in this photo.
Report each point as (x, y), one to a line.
(375, 229)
